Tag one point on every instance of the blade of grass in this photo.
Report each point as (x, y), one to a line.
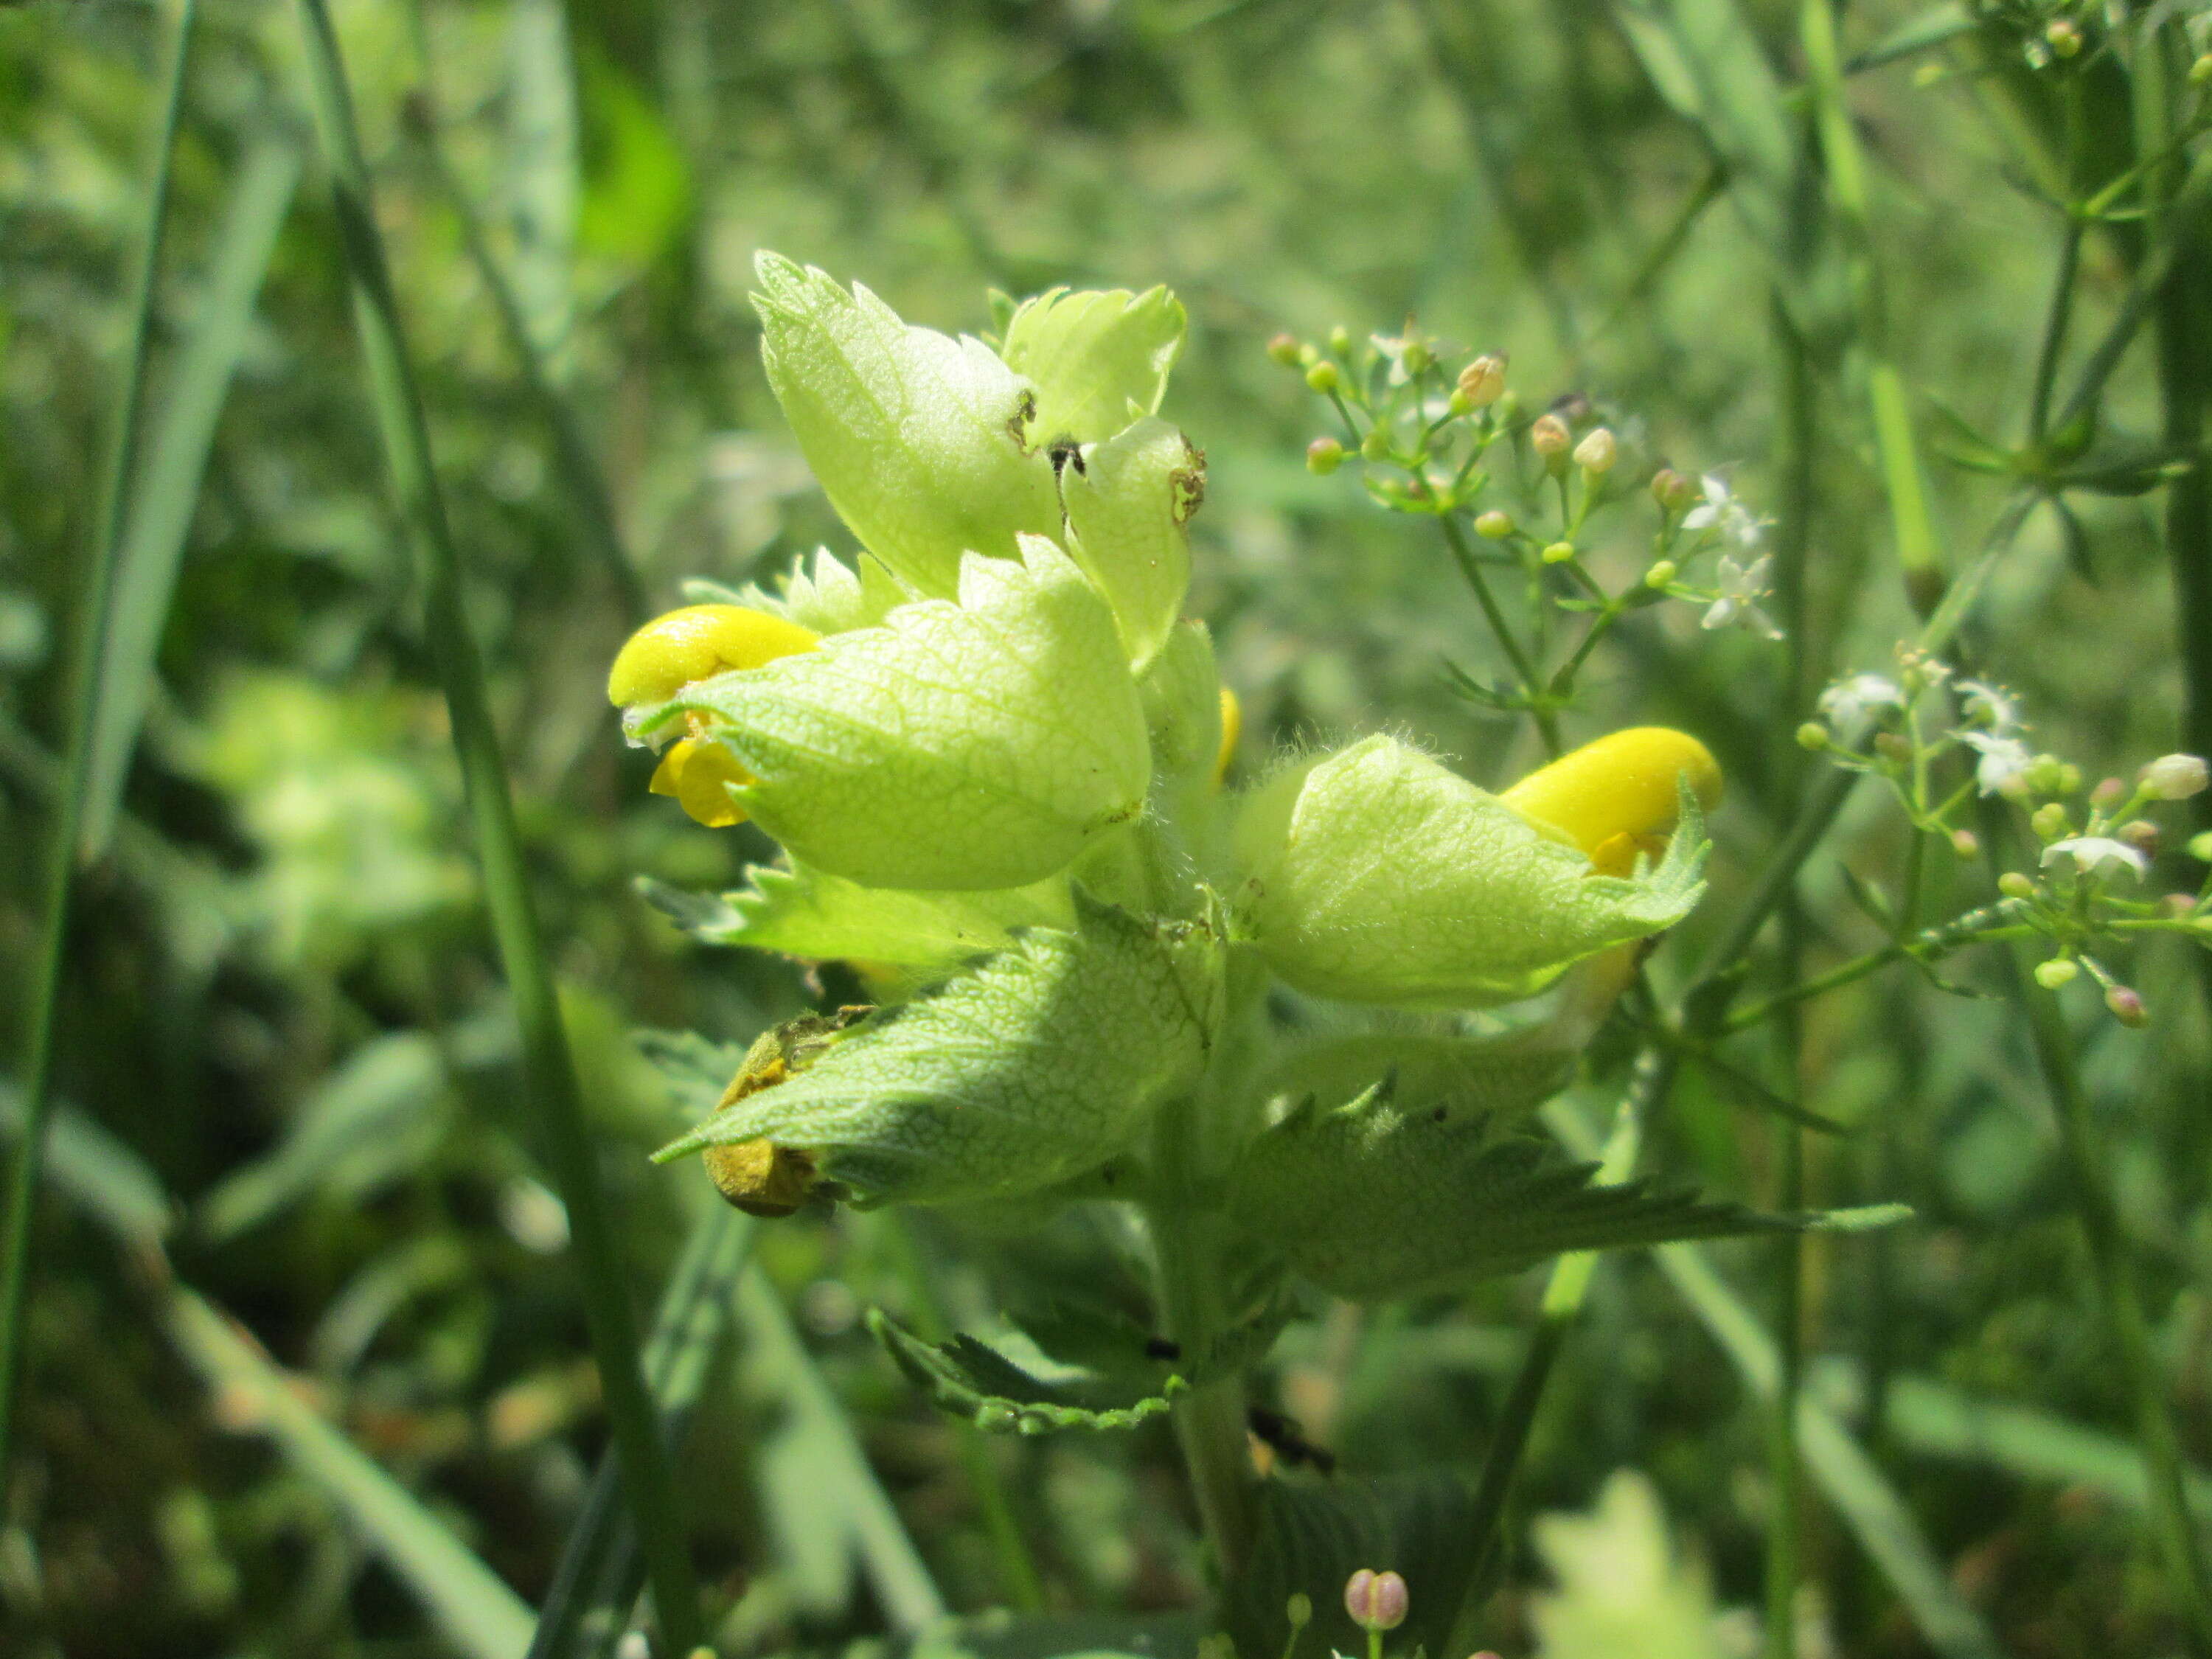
(1853, 1483)
(776, 1363)
(168, 492)
(42, 1007)
(470, 1604)
(600, 1571)
(549, 1070)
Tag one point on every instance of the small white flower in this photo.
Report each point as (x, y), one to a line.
(1741, 589)
(2176, 777)
(1721, 510)
(1992, 705)
(2092, 853)
(1847, 702)
(2004, 759)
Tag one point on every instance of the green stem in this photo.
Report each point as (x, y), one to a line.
(1209, 1419)
(549, 1071)
(1532, 688)
(2054, 330)
(2154, 1431)
(96, 607)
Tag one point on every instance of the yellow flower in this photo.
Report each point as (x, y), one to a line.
(1232, 728)
(700, 640)
(696, 643)
(1617, 797)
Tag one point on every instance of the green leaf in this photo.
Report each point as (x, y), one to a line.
(804, 913)
(1486, 1076)
(1312, 1538)
(1374, 875)
(969, 747)
(971, 1380)
(1373, 1200)
(1622, 1592)
(1098, 360)
(1127, 501)
(921, 441)
(1037, 1066)
(826, 594)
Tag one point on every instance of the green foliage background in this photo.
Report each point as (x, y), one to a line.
(288, 1059)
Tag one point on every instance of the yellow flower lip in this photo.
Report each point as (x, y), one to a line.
(700, 640)
(1618, 797)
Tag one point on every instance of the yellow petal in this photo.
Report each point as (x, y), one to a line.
(671, 652)
(1617, 797)
(702, 783)
(1232, 727)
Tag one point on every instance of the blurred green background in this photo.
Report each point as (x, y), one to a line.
(288, 1061)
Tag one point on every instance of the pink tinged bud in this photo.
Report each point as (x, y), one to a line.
(1376, 1601)
(2140, 834)
(1284, 349)
(2127, 1007)
(2175, 777)
(2108, 794)
(1550, 436)
(1966, 843)
(2179, 906)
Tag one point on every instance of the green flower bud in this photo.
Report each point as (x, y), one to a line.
(1597, 451)
(1966, 844)
(1671, 489)
(981, 745)
(2200, 847)
(2014, 885)
(1474, 903)
(1813, 735)
(2048, 821)
(922, 442)
(2064, 36)
(1340, 339)
(1663, 571)
(1558, 553)
(1323, 376)
(2055, 973)
(1493, 525)
(1284, 349)
(1376, 445)
(1324, 456)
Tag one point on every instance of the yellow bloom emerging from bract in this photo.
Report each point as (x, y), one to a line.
(697, 643)
(1618, 796)
(1232, 728)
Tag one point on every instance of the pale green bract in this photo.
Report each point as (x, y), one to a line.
(1374, 875)
(1127, 504)
(829, 596)
(1098, 360)
(921, 441)
(959, 746)
(1039, 1065)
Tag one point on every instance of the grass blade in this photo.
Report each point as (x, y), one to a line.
(168, 491)
(92, 622)
(470, 1603)
(549, 1070)
(600, 1571)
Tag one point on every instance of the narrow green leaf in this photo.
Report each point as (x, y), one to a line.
(166, 491)
(470, 1605)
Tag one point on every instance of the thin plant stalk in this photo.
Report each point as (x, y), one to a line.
(119, 465)
(549, 1070)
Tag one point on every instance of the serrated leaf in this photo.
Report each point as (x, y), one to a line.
(1312, 1538)
(1485, 1076)
(1094, 356)
(1127, 501)
(823, 593)
(1036, 1065)
(921, 441)
(1372, 1202)
(805, 912)
(971, 1380)
(1374, 875)
(958, 747)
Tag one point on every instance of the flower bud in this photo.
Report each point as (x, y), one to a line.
(1298, 1610)
(1662, 572)
(1340, 339)
(2140, 834)
(2048, 821)
(1324, 456)
(1323, 376)
(2108, 794)
(1493, 525)
(2055, 973)
(1551, 439)
(1308, 354)
(2127, 1007)
(1558, 553)
(2200, 72)
(1671, 489)
(1376, 1601)
(1813, 735)
(1459, 403)
(2047, 774)
(1483, 380)
(2064, 36)
(1597, 451)
(1418, 356)
(1892, 747)
(2174, 777)
(1966, 843)
(1376, 445)
(696, 643)
(1284, 349)
(2014, 885)
(2179, 906)
(2069, 778)
(1618, 796)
